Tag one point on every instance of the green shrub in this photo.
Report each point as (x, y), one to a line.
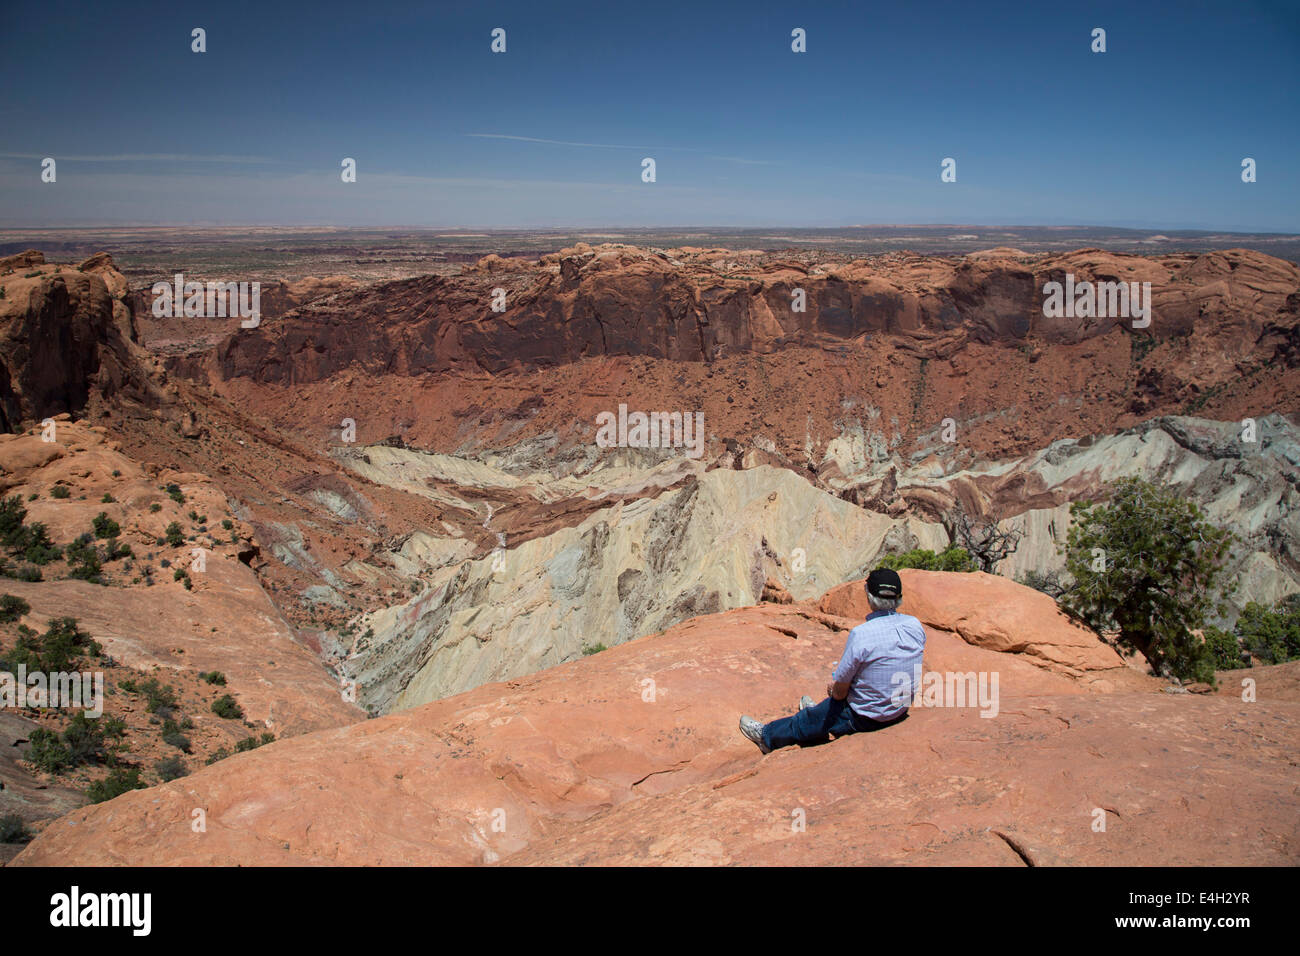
(60, 491)
(1266, 636)
(227, 523)
(13, 829)
(252, 743)
(1272, 636)
(950, 559)
(115, 784)
(12, 608)
(227, 707)
(594, 649)
(174, 492)
(46, 751)
(57, 649)
(12, 514)
(107, 499)
(1140, 345)
(105, 527)
(171, 768)
(174, 536)
(160, 698)
(93, 740)
(84, 740)
(1224, 649)
(114, 550)
(40, 549)
(31, 542)
(172, 736)
(84, 561)
(213, 677)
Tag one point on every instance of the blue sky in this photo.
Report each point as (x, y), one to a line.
(744, 132)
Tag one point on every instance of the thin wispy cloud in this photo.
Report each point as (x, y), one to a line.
(558, 142)
(745, 162)
(675, 149)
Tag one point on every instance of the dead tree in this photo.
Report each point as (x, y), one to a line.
(982, 539)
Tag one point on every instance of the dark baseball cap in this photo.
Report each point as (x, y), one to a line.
(884, 583)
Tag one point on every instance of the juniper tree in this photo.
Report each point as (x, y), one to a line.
(1148, 563)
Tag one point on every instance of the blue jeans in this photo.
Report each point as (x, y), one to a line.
(818, 723)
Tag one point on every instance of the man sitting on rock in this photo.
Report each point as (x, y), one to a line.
(871, 687)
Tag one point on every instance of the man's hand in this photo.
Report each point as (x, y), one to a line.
(837, 691)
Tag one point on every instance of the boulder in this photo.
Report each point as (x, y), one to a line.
(991, 612)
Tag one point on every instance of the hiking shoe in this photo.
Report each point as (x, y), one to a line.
(805, 702)
(752, 729)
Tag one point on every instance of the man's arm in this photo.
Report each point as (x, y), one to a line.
(837, 690)
(842, 676)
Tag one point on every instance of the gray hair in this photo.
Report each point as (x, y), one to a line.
(883, 603)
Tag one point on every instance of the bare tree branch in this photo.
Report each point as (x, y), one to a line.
(982, 539)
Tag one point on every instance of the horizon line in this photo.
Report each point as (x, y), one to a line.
(635, 228)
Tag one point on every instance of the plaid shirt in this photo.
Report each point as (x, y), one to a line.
(886, 644)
